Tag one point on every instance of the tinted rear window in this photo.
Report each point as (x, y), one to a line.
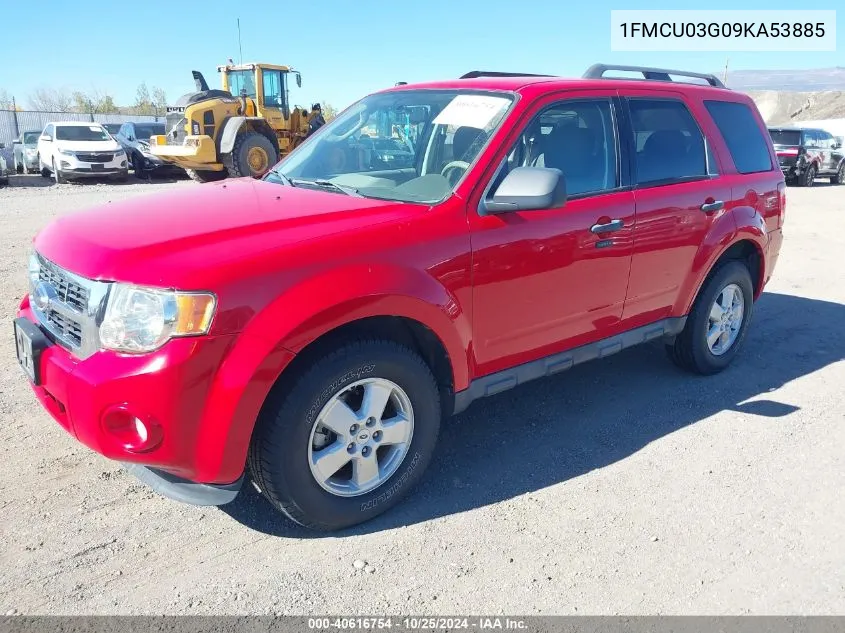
(785, 137)
(743, 136)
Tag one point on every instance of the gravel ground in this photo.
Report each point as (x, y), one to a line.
(665, 494)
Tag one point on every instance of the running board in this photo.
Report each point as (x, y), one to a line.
(556, 363)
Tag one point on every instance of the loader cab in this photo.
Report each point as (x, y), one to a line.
(263, 86)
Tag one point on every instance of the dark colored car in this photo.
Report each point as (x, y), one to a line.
(111, 128)
(805, 154)
(310, 329)
(134, 137)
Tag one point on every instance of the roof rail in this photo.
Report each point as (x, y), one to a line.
(491, 73)
(596, 71)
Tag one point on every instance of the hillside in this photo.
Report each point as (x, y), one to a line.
(780, 106)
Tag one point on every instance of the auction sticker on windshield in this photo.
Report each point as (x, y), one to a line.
(472, 110)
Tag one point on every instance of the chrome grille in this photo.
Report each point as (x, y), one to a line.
(73, 294)
(70, 307)
(69, 329)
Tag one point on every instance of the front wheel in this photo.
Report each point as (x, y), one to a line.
(716, 326)
(839, 178)
(206, 175)
(57, 175)
(350, 437)
(252, 155)
(809, 177)
(19, 167)
(45, 171)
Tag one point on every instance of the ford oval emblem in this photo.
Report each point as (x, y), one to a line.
(42, 295)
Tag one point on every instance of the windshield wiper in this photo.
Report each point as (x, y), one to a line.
(285, 180)
(326, 184)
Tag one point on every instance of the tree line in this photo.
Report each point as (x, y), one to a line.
(147, 101)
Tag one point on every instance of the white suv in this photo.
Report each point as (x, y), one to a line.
(75, 149)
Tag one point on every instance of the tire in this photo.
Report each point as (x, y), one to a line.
(57, 175)
(139, 171)
(839, 178)
(204, 175)
(808, 179)
(252, 155)
(45, 171)
(691, 350)
(282, 447)
(19, 168)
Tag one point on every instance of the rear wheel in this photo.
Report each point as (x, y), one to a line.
(809, 177)
(839, 178)
(350, 437)
(206, 175)
(252, 155)
(716, 326)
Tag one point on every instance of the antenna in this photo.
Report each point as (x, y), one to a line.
(725, 79)
(240, 50)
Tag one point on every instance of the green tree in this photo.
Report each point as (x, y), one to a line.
(143, 101)
(159, 100)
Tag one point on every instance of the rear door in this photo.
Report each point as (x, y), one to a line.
(679, 195)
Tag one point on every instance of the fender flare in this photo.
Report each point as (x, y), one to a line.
(301, 315)
(233, 125)
(741, 224)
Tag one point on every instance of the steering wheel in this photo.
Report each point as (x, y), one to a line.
(452, 167)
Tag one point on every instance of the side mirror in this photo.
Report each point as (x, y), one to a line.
(527, 189)
(15, 143)
(298, 80)
(130, 138)
(46, 137)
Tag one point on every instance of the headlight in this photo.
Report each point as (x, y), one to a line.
(143, 319)
(120, 152)
(34, 270)
(67, 152)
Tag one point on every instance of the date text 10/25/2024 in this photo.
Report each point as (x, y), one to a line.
(417, 623)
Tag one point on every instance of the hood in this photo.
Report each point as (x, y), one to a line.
(170, 239)
(88, 146)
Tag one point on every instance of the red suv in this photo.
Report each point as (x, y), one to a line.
(312, 328)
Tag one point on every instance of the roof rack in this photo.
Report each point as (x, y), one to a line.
(491, 73)
(596, 71)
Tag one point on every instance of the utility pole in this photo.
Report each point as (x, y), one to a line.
(15, 117)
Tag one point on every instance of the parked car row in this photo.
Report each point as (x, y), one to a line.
(67, 150)
(805, 154)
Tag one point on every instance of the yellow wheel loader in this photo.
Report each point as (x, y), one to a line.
(241, 130)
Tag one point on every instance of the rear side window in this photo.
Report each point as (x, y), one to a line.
(742, 134)
(669, 145)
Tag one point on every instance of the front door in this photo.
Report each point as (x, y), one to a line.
(545, 281)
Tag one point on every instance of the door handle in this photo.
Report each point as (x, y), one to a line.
(710, 207)
(613, 225)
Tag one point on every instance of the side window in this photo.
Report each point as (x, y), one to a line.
(826, 140)
(811, 139)
(578, 137)
(272, 80)
(745, 140)
(669, 145)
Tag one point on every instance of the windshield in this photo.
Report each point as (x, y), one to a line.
(31, 137)
(786, 137)
(242, 80)
(144, 131)
(81, 133)
(409, 145)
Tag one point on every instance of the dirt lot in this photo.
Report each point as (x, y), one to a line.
(664, 494)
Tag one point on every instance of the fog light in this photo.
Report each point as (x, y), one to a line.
(134, 432)
(123, 164)
(64, 163)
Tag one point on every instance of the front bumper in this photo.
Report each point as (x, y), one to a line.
(168, 389)
(197, 152)
(72, 166)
